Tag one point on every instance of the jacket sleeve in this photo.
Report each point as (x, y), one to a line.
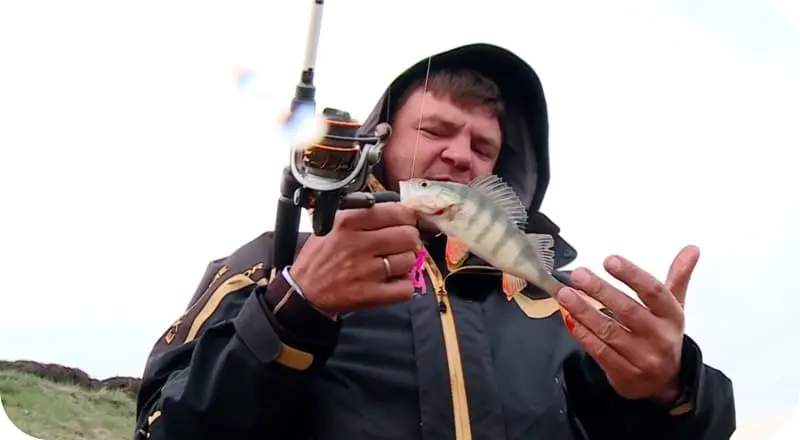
(239, 362)
(707, 412)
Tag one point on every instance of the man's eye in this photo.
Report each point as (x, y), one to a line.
(484, 152)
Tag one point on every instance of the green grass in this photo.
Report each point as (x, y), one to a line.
(53, 411)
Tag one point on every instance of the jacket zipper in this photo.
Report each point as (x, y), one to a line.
(458, 387)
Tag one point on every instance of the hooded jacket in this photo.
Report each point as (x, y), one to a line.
(250, 359)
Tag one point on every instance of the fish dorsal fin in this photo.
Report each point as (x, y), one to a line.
(503, 196)
(544, 243)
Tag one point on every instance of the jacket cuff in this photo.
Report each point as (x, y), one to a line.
(295, 319)
(278, 325)
(689, 379)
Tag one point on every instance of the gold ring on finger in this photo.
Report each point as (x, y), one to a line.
(388, 267)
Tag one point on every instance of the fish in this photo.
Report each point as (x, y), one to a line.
(487, 217)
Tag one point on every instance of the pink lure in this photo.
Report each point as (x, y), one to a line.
(417, 277)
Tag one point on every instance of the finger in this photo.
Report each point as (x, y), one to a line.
(394, 266)
(625, 308)
(392, 240)
(655, 295)
(379, 216)
(393, 291)
(611, 361)
(680, 272)
(607, 330)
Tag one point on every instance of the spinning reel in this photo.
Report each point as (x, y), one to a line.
(329, 174)
(332, 172)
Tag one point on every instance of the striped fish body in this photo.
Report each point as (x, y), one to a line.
(489, 218)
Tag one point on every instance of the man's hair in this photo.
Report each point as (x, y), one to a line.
(467, 88)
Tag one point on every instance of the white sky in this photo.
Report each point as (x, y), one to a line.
(129, 159)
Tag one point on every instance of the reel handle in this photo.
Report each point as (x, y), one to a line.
(362, 200)
(327, 203)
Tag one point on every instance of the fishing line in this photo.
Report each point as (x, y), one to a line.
(421, 110)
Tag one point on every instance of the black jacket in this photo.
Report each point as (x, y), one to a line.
(461, 362)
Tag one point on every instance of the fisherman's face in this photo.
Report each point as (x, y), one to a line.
(454, 143)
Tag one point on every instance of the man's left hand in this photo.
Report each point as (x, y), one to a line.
(640, 351)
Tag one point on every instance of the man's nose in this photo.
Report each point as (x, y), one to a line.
(458, 153)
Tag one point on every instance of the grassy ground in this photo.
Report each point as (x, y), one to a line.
(52, 411)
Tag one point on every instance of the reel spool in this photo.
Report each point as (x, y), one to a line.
(336, 166)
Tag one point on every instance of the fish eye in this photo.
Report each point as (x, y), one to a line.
(424, 184)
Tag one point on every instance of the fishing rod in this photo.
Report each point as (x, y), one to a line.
(327, 175)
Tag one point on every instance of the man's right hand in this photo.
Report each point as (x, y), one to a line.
(345, 270)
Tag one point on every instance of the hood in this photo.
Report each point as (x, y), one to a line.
(524, 159)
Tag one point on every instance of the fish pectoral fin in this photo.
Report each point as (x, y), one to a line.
(544, 243)
(512, 285)
(456, 252)
(502, 195)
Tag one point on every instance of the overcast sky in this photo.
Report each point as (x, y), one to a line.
(130, 159)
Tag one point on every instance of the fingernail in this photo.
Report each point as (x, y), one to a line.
(580, 276)
(566, 297)
(614, 263)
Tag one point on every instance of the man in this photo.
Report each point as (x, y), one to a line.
(337, 347)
